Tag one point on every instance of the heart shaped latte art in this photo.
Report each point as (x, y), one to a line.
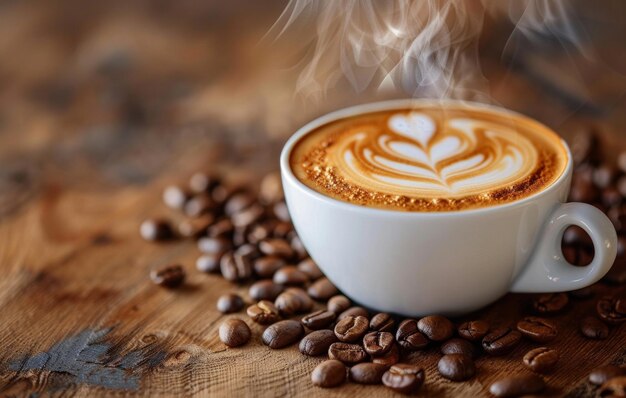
(417, 155)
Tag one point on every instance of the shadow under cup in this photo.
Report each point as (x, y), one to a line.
(452, 262)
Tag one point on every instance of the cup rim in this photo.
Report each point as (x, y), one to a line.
(289, 176)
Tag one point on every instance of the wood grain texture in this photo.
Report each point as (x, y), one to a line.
(94, 123)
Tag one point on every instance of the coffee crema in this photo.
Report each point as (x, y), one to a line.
(430, 158)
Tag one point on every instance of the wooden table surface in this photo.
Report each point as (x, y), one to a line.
(100, 108)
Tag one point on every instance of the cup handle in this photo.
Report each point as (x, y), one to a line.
(548, 271)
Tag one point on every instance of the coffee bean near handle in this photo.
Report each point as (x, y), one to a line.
(367, 373)
(382, 322)
(322, 289)
(319, 319)
(601, 375)
(330, 373)
(404, 378)
(347, 353)
(542, 359)
(459, 346)
(276, 247)
(317, 342)
(615, 387)
(501, 341)
(473, 330)
(338, 304)
(612, 310)
(390, 358)
(229, 303)
(515, 386)
(436, 327)
(550, 303)
(282, 334)
(351, 329)
(409, 337)
(593, 328)
(537, 329)
(456, 367)
(264, 312)
(378, 343)
(234, 332)
(170, 276)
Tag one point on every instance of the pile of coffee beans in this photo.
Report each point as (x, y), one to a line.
(248, 238)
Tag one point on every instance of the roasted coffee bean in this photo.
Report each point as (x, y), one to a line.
(265, 289)
(501, 341)
(409, 337)
(317, 342)
(351, 328)
(199, 205)
(203, 182)
(542, 359)
(266, 266)
(338, 304)
(221, 229)
(353, 311)
(156, 230)
(617, 274)
(221, 193)
(456, 367)
(615, 387)
(436, 327)
(309, 267)
(282, 229)
(293, 301)
(328, 374)
(298, 247)
(264, 312)
(601, 375)
(382, 322)
(259, 232)
(282, 333)
(271, 189)
(175, 197)
(347, 353)
(604, 175)
(228, 303)
(290, 275)
(537, 329)
(459, 346)
(473, 330)
(612, 310)
(276, 247)
(378, 343)
(404, 378)
(237, 203)
(550, 303)
(367, 373)
(209, 263)
(515, 386)
(593, 328)
(234, 332)
(583, 144)
(195, 228)
(392, 357)
(319, 319)
(583, 190)
(214, 245)
(322, 289)
(281, 211)
(582, 294)
(239, 236)
(169, 276)
(248, 216)
(611, 197)
(232, 270)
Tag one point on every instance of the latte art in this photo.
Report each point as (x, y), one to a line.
(430, 159)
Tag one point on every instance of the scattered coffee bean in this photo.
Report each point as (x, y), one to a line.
(615, 387)
(229, 303)
(232, 270)
(248, 216)
(234, 332)
(542, 359)
(265, 289)
(317, 342)
(203, 182)
(378, 343)
(382, 322)
(515, 386)
(436, 327)
(199, 205)
(266, 266)
(611, 196)
(282, 229)
(367, 373)
(237, 203)
(209, 263)
(537, 329)
(156, 230)
(409, 337)
(195, 228)
(174, 197)
(612, 310)
(338, 304)
(603, 175)
(213, 245)
(404, 378)
(329, 374)
(390, 358)
(501, 341)
(264, 312)
(290, 275)
(473, 330)
(347, 353)
(221, 229)
(169, 276)
(582, 294)
(353, 311)
(459, 346)
(593, 328)
(259, 232)
(271, 189)
(298, 247)
(550, 303)
(276, 247)
(309, 267)
(322, 289)
(281, 211)
(601, 375)
(456, 367)
(293, 301)
(351, 328)
(282, 333)
(319, 319)
(221, 193)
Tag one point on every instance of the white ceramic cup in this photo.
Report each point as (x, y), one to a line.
(452, 262)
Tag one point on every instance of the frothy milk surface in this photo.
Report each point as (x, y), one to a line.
(430, 158)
